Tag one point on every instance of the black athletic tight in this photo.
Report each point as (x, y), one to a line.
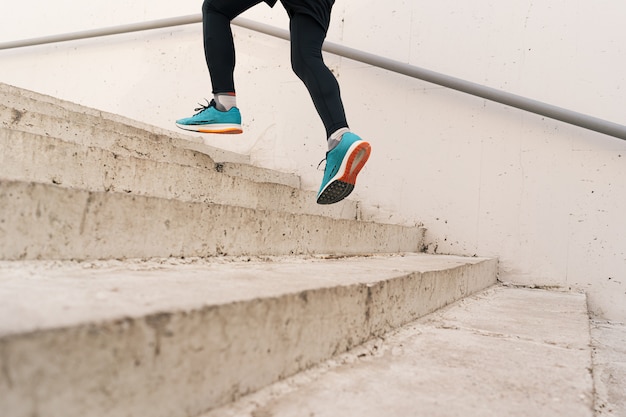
(307, 36)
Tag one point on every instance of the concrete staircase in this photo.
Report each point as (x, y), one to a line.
(114, 188)
(143, 273)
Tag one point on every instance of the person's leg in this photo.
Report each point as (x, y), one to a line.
(219, 49)
(307, 37)
(347, 152)
(221, 115)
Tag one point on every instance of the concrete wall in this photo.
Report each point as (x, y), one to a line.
(548, 199)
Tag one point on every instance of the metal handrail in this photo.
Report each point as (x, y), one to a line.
(554, 112)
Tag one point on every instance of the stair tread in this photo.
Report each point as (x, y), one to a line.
(46, 294)
(505, 351)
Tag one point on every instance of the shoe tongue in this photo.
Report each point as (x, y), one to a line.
(217, 105)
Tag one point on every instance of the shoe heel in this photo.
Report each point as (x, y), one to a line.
(356, 161)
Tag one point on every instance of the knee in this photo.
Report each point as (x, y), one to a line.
(303, 64)
(298, 64)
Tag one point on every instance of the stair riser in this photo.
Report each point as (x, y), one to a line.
(48, 222)
(183, 363)
(53, 161)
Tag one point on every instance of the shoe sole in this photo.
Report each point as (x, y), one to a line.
(342, 184)
(213, 128)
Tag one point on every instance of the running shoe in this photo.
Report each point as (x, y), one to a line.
(209, 119)
(343, 164)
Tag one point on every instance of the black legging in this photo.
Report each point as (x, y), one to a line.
(307, 36)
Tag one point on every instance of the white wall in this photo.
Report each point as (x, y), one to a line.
(548, 199)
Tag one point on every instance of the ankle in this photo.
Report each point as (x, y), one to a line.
(335, 137)
(225, 101)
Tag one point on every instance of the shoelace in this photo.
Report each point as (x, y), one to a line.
(203, 107)
(322, 161)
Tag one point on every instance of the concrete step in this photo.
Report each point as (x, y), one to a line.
(609, 367)
(47, 116)
(39, 114)
(45, 159)
(178, 337)
(42, 221)
(504, 352)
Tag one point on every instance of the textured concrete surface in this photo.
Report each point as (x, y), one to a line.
(39, 158)
(50, 222)
(56, 142)
(175, 338)
(503, 352)
(257, 174)
(40, 115)
(44, 114)
(609, 367)
(125, 137)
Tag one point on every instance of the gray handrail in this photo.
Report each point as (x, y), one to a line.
(492, 94)
(112, 30)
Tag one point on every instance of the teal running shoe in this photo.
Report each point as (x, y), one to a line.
(343, 164)
(209, 119)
